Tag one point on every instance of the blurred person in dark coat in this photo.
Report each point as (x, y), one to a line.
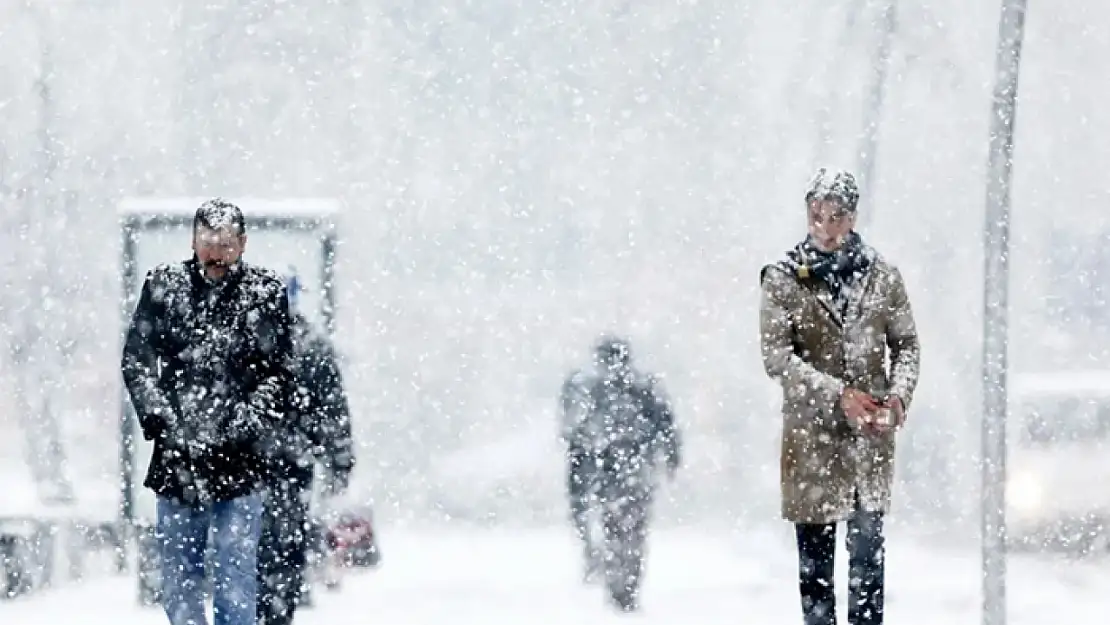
(318, 432)
(625, 427)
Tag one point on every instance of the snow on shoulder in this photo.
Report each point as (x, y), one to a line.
(253, 208)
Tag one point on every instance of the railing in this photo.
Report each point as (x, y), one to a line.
(35, 553)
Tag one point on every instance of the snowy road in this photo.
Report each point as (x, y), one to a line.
(707, 577)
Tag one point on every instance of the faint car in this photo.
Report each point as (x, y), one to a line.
(1058, 461)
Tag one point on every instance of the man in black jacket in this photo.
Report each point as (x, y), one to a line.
(206, 361)
(624, 429)
(319, 429)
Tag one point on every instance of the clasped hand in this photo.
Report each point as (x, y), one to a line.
(864, 411)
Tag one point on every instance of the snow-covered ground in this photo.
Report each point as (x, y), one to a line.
(699, 575)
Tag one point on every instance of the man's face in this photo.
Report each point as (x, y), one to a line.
(218, 249)
(829, 224)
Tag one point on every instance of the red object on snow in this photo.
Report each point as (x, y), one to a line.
(350, 533)
(353, 542)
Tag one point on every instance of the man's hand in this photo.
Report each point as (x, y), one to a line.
(897, 414)
(859, 408)
(159, 420)
(336, 481)
(244, 424)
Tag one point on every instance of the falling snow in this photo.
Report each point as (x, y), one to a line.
(471, 192)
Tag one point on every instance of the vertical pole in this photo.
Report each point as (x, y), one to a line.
(129, 230)
(873, 111)
(995, 301)
(327, 280)
(191, 130)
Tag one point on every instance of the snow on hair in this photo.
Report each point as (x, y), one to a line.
(218, 213)
(834, 184)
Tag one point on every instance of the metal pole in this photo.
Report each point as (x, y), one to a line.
(327, 281)
(193, 92)
(995, 302)
(129, 230)
(874, 109)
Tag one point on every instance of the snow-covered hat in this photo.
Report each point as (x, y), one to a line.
(610, 349)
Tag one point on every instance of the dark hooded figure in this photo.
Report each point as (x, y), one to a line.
(624, 428)
(318, 432)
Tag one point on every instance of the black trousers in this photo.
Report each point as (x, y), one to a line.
(581, 479)
(625, 519)
(866, 570)
(282, 552)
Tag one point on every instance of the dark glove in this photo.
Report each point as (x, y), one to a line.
(158, 422)
(337, 481)
(672, 467)
(244, 425)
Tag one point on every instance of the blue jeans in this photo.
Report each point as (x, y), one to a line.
(235, 526)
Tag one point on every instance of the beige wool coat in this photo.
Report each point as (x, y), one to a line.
(815, 353)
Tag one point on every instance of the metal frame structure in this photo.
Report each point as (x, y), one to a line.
(141, 215)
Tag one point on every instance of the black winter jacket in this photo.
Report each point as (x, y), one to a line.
(320, 423)
(621, 423)
(207, 366)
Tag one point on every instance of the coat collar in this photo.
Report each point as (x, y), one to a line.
(855, 294)
(820, 292)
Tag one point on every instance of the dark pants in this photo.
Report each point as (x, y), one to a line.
(282, 553)
(625, 519)
(581, 476)
(816, 551)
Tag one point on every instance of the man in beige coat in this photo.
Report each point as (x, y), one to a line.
(831, 312)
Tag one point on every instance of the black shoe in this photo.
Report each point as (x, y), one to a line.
(625, 602)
